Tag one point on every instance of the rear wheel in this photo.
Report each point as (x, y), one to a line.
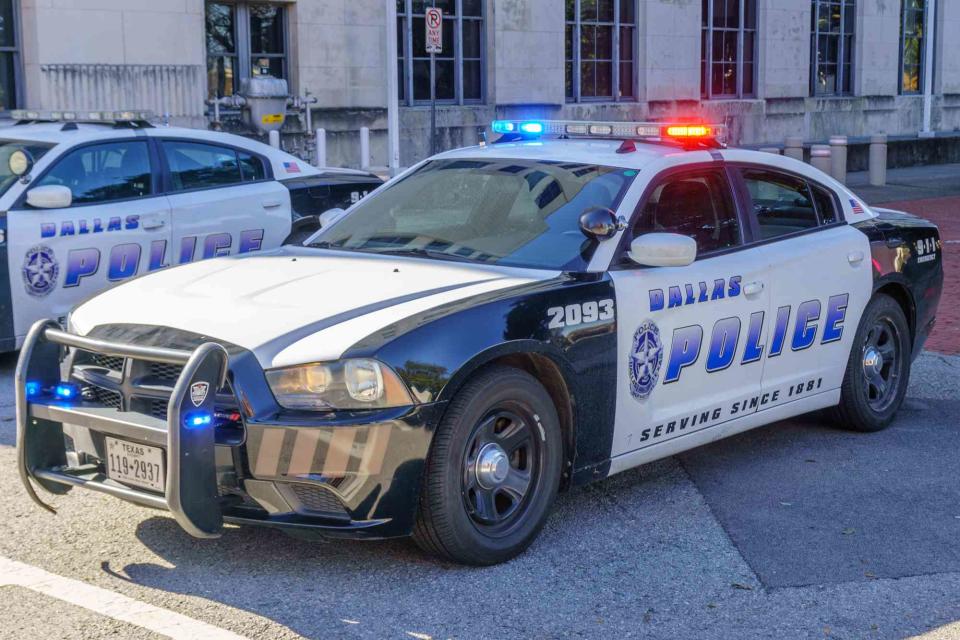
(493, 470)
(878, 370)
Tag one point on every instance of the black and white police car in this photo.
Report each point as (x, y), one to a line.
(499, 323)
(95, 198)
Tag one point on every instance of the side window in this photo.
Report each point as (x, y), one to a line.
(698, 205)
(826, 205)
(104, 172)
(251, 167)
(197, 166)
(782, 204)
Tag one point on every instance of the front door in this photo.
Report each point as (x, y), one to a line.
(112, 231)
(690, 354)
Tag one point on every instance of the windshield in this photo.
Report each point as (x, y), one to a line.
(510, 212)
(7, 147)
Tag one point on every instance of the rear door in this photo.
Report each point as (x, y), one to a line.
(690, 338)
(224, 200)
(820, 281)
(114, 229)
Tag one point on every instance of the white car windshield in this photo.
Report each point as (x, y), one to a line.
(523, 213)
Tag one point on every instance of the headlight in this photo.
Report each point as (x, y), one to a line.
(347, 384)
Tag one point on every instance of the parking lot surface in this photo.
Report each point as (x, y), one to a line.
(792, 531)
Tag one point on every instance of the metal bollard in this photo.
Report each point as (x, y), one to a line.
(773, 150)
(794, 148)
(364, 147)
(320, 157)
(838, 164)
(274, 137)
(878, 160)
(820, 157)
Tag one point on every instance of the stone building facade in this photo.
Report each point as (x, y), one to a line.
(768, 68)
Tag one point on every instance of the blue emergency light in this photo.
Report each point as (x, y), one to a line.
(198, 419)
(527, 127)
(66, 391)
(33, 388)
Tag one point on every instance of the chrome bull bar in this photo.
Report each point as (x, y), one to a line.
(190, 492)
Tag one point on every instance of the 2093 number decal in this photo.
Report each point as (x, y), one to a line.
(580, 313)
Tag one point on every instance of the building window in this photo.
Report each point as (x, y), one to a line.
(600, 44)
(9, 55)
(911, 46)
(831, 47)
(728, 48)
(458, 69)
(244, 39)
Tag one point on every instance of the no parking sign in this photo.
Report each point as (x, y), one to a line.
(434, 24)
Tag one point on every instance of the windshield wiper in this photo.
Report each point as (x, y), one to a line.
(421, 252)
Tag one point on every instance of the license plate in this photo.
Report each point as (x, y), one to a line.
(135, 464)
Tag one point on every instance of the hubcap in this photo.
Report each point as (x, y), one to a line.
(492, 466)
(881, 364)
(501, 469)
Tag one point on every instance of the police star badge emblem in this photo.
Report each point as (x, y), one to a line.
(646, 358)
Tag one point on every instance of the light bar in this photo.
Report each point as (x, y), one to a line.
(106, 117)
(710, 134)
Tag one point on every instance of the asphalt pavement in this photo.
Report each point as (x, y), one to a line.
(795, 530)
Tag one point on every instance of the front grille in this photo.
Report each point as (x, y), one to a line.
(106, 397)
(319, 499)
(164, 371)
(114, 363)
(158, 409)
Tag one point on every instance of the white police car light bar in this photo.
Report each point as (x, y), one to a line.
(652, 131)
(104, 117)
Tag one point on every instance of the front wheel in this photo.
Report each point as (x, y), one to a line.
(878, 370)
(493, 470)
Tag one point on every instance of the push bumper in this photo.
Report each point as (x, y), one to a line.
(350, 475)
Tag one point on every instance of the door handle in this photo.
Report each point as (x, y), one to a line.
(152, 223)
(855, 257)
(753, 288)
(271, 204)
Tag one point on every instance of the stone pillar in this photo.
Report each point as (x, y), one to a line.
(794, 148)
(878, 160)
(820, 157)
(838, 156)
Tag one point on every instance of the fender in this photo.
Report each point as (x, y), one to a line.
(561, 319)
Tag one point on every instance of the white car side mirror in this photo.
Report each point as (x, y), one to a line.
(330, 216)
(51, 196)
(663, 250)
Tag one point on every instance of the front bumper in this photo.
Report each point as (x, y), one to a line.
(353, 474)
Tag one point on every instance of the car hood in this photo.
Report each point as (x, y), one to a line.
(294, 305)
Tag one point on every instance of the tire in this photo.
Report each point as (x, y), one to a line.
(873, 389)
(472, 509)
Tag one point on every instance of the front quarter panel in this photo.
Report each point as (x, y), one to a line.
(571, 320)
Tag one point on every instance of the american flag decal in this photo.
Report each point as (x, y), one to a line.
(856, 207)
(291, 167)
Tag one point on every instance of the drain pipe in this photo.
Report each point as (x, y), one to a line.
(393, 90)
(929, 28)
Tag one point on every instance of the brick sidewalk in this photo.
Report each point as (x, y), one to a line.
(945, 213)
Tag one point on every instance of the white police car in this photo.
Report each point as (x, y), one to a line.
(94, 199)
(500, 323)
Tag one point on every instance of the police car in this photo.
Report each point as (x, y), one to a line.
(500, 323)
(94, 199)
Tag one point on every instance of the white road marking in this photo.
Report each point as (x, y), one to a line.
(108, 603)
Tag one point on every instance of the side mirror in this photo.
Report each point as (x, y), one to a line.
(330, 216)
(51, 196)
(663, 250)
(599, 223)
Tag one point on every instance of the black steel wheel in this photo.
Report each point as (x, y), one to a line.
(493, 470)
(878, 370)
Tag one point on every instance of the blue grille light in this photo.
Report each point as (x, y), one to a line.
(66, 391)
(535, 128)
(198, 419)
(33, 388)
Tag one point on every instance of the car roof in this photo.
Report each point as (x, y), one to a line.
(284, 165)
(587, 151)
